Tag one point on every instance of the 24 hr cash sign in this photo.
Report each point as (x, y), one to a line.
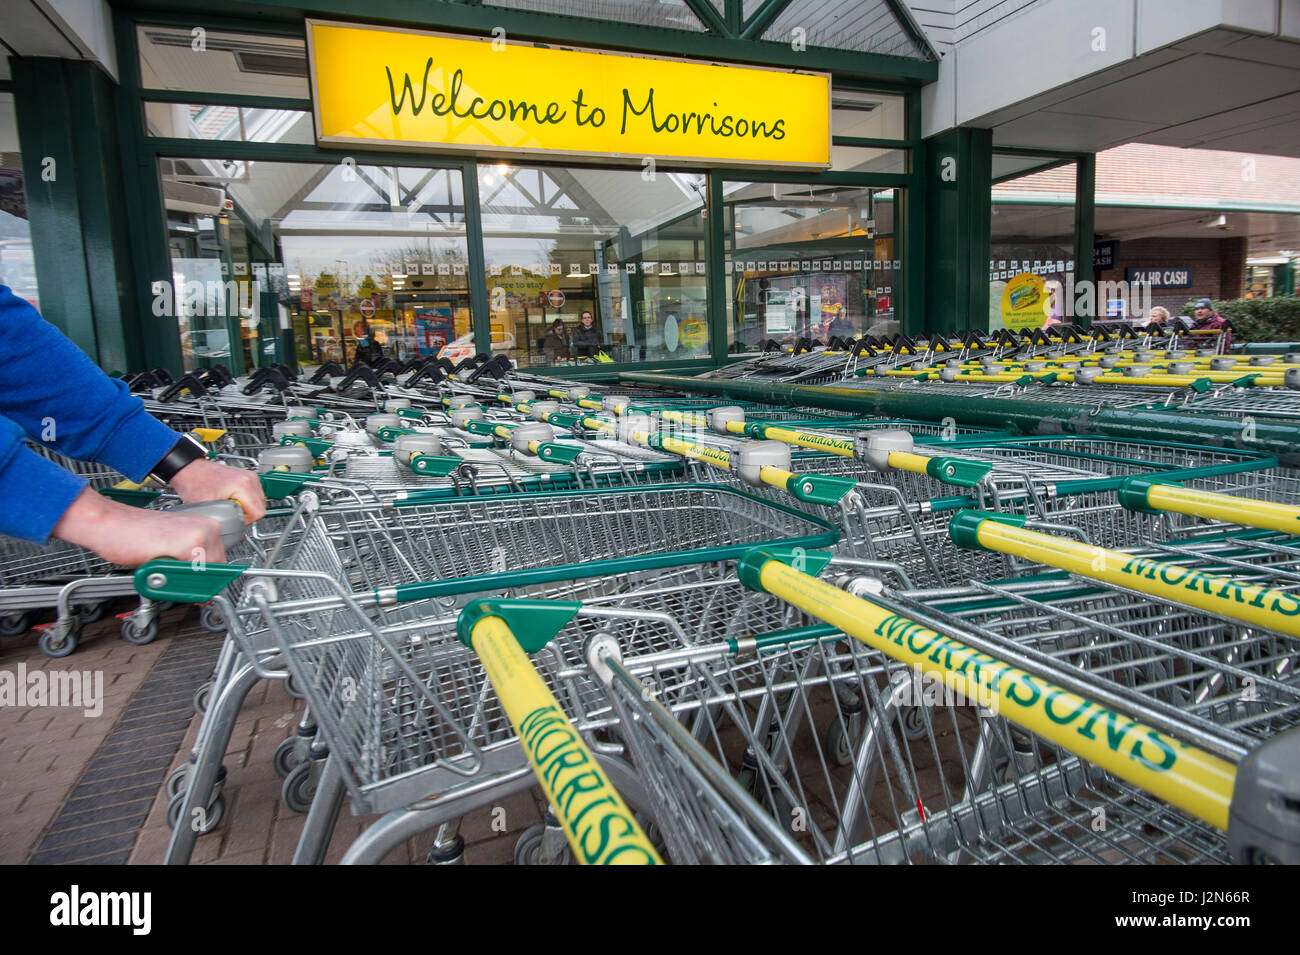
(383, 87)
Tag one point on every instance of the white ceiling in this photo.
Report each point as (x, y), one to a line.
(67, 29)
(1220, 90)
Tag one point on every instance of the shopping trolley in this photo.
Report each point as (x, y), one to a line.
(554, 542)
(763, 702)
(1072, 764)
(1065, 484)
(79, 585)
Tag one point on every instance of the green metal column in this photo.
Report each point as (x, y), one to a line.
(78, 212)
(716, 281)
(478, 297)
(911, 217)
(959, 182)
(44, 108)
(1085, 197)
(1284, 279)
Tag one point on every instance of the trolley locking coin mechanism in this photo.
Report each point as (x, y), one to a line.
(288, 457)
(875, 447)
(382, 419)
(408, 445)
(627, 427)
(461, 416)
(541, 409)
(718, 418)
(749, 459)
(527, 434)
(296, 428)
(1264, 818)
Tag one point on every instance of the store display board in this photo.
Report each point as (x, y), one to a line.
(414, 89)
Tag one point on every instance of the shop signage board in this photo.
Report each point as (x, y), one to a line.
(1160, 278)
(378, 86)
(1103, 255)
(1023, 301)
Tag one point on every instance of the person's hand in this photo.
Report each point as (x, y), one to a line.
(131, 536)
(205, 480)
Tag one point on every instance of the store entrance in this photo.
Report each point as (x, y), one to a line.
(809, 261)
(339, 255)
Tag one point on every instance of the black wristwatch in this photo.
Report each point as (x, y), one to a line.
(183, 452)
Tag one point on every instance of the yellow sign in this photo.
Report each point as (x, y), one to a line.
(693, 333)
(378, 86)
(1024, 302)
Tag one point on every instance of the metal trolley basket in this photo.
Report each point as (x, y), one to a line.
(410, 563)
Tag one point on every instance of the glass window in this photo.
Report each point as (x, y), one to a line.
(868, 115)
(213, 61)
(1033, 238)
(230, 123)
(809, 261)
(867, 159)
(562, 242)
(341, 252)
(17, 268)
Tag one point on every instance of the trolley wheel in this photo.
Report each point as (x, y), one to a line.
(291, 687)
(768, 795)
(177, 781)
(529, 845)
(912, 722)
(59, 641)
(203, 696)
(286, 757)
(299, 787)
(212, 619)
(453, 854)
(203, 822)
(837, 744)
(133, 633)
(93, 612)
(15, 624)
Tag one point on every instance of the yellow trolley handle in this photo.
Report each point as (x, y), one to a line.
(746, 461)
(597, 822)
(1215, 594)
(1190, 778)
(1152, 495)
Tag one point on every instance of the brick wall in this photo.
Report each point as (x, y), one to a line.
(1217, 266)
(1171, 173)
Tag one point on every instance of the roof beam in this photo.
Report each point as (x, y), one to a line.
(709, 17)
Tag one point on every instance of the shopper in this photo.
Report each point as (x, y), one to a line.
(1159, 314)
(586, 338)
(1206, 318)
(52, 394)
(556, 343)
(840, 326)
(369, 350)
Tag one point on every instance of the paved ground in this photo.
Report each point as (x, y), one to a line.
(80, 789)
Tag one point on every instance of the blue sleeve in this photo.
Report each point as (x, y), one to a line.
(54, 393)
(34, 491)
